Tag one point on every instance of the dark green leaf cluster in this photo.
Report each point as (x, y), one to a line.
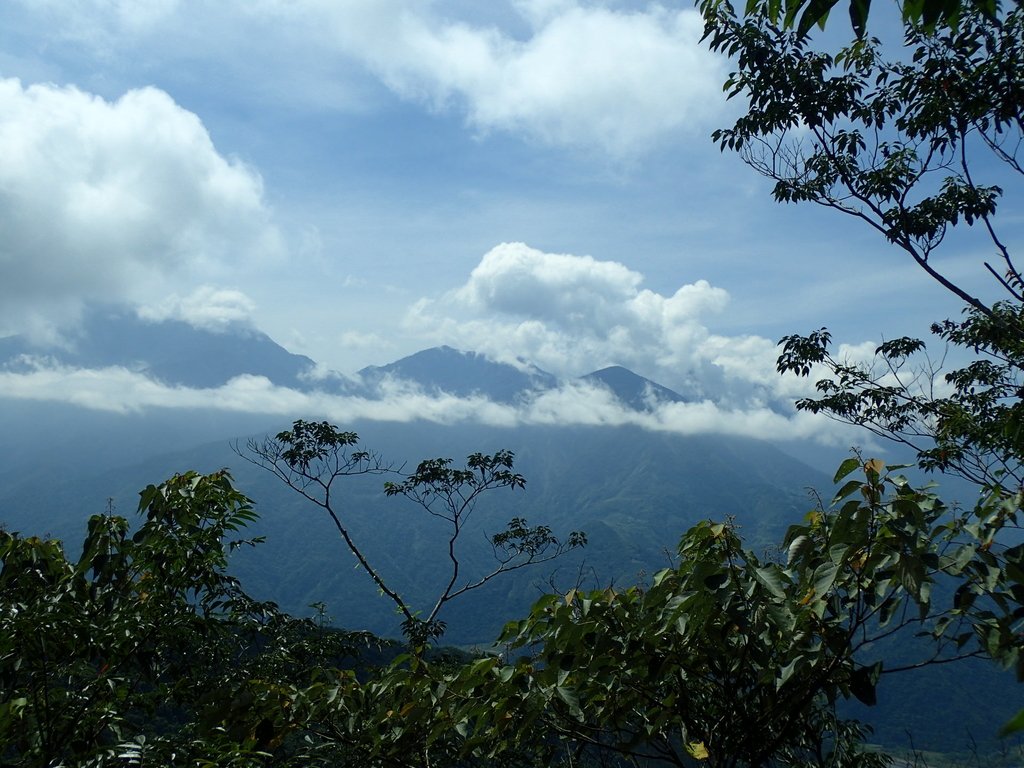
(520, 539)
(929, 15)
(142, 647)
(725, 659)
(308, 442)
(456, 490)
(899, 139)
(146, 651)
(972, 427)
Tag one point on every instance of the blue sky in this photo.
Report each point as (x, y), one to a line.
(365, 178)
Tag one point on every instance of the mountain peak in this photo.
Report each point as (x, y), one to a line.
(445, 369)
(632, 389)
(171, 351)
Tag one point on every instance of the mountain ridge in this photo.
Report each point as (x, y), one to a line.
(169, 351)
(176, 353)
(633, 491)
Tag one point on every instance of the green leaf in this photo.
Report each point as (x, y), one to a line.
(797, 547)
(824, 578)
(850, 487)
(862, 685)
(849, 465)
(859, 16)
(569, 696)
(816, 13)
(1015, 725)
(771, 577)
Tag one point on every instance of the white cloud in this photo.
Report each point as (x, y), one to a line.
(99, 23)
(568, 314)
(209, 308)
(540, 12)
(574, 314)
(121, 390)
(362, 340)
(111, 201)
(585, 74)
(515, 279)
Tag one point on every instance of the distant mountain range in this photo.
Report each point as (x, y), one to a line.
(443, 369)
(633, 491)
(171, 351)
(464, 374)
(176, 353)
(633, 390)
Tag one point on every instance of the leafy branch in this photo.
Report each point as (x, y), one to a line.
(311, 457)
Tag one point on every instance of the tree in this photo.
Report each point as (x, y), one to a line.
(930, 15)
(312, 456)
(913, 143)
(725, 659)
(731, 660)
(897, 138)
(139, 650)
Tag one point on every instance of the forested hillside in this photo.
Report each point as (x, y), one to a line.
(598, 480)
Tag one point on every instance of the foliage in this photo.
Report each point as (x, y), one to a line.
(897, 139)
(135, 648)
(900, 141)
(735, 661)
(145, 650)
(930, 15)
(971, 426)
(725, 659)
(312, 456)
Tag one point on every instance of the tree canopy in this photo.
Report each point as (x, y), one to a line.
(312, 457)
(803, 15)
(913, 142)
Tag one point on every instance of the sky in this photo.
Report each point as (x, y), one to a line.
(361, 179)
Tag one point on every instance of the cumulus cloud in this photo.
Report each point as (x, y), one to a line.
(516, 279)
(574, 73)
(109, 200)
(586, 74)
(568, 314)
(574, 314)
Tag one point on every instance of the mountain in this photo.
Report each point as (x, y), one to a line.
(633, 492)
(443, 369)
(170, 351)
(596, 479)
(633, 390)
(464, 374)
(178, 354)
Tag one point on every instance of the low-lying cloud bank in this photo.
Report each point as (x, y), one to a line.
(567, 314)
(119, 390)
